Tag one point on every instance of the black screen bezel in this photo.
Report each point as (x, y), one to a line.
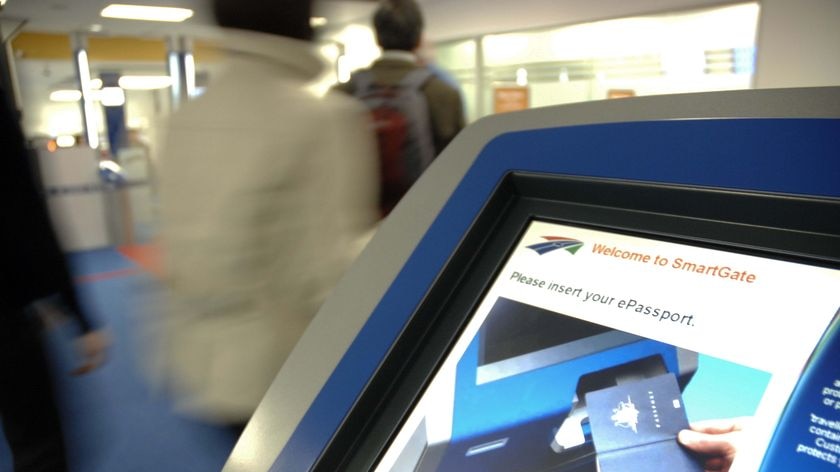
(785, 227)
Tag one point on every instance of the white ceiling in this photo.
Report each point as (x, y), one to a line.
(446, 19)
(64, 16)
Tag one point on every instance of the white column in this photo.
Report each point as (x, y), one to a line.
(181, 65)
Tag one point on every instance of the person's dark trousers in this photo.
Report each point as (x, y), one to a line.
(27, 407)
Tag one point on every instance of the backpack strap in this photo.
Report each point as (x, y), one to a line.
(417, 78)
(362, 82)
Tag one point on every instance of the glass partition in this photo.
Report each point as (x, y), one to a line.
(131, 97)
(458, 62)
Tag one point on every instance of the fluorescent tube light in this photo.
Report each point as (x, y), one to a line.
(65, 141)
(521, 77)
(110, 165)
(145, 82)
(189, 74)
(91, 122)
(343, 69)
(112, 97)
(147, 13)
(66, 96)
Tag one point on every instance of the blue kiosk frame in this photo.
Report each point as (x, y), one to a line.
(778, 142)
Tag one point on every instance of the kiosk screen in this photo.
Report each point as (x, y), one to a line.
(592, 349)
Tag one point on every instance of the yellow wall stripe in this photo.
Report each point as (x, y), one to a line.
(49, 46)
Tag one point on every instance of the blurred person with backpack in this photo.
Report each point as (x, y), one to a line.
(415, 112)
(268, 191)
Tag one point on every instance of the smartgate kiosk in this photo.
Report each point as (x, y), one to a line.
(575, 288)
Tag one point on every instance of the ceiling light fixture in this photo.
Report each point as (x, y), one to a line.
(147, 13)
(317, 21)
(66, 96)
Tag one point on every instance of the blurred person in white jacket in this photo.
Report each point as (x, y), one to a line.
(267, 190)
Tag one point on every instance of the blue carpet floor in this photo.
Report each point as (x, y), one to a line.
(114, 420)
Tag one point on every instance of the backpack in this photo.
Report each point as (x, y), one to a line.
(401, 121)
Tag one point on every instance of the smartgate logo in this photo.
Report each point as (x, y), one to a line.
(553, 243)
